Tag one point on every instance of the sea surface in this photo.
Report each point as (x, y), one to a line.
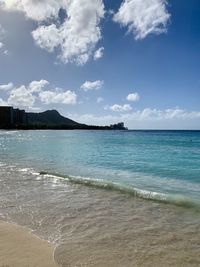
(106, 198)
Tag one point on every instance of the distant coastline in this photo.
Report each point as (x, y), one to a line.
(11, 118)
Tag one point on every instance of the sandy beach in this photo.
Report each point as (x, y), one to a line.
(20, 248)
(69, 187)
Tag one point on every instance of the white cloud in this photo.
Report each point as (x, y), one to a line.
(3, 103)
(133, 97)
(149, 114)
(2, 34)
(100, 99)
(37, 10)
(98, 53)
(47, 37)
(143, 17)
(2, 37)
(6, 52)
(119, 108)
(148, 118)
(58, 97)
(88, 85)
(37, 86)
(77, 36)
(21, 97)
(6, 87)
(26, 96)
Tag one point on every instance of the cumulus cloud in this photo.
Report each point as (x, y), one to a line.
(25, 96)
(47, 37)
(58, 97)
(119, 108)
(149, 114)
(34, 9)
(80, 32)
(146, 119)
(6, 52)
(143, 17)
(37, 86)
(133, 97)
(75, 37)
(2, 35)
(98, 53)
(21, 97)
(88, 85)
(100, 99)
(6, 87)
(2, 39)
(3, 103)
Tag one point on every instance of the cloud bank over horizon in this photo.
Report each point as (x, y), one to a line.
(151, 118)
(148, 118)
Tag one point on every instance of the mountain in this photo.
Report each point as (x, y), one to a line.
(11, 118)
(51, 118)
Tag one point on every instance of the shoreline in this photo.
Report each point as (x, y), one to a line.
(20, 248)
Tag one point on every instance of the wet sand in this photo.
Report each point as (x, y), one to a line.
(20, 248)
(91, 227)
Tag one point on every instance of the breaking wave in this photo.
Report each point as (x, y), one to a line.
(178, 200)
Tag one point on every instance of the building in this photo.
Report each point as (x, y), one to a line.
(19, 117)
(6, 116)
(118, 126)
(10, 117)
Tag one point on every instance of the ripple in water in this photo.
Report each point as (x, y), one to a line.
(95, 227)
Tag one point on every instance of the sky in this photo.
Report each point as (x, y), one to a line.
(103, 61)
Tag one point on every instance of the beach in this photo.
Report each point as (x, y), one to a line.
(99, 133)
(94, 227)
(98, 199)
(20, 248)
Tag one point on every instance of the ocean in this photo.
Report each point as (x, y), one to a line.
(106, 198)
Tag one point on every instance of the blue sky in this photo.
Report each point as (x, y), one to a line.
(101, 62)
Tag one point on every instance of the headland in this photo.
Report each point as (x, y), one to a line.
(11, 118)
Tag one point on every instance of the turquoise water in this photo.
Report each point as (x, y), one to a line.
(163, 165)
(52, 181)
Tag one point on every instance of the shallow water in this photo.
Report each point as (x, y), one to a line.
(99, 225)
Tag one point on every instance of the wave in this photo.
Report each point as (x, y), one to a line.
(8, 132)
(178, 200)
